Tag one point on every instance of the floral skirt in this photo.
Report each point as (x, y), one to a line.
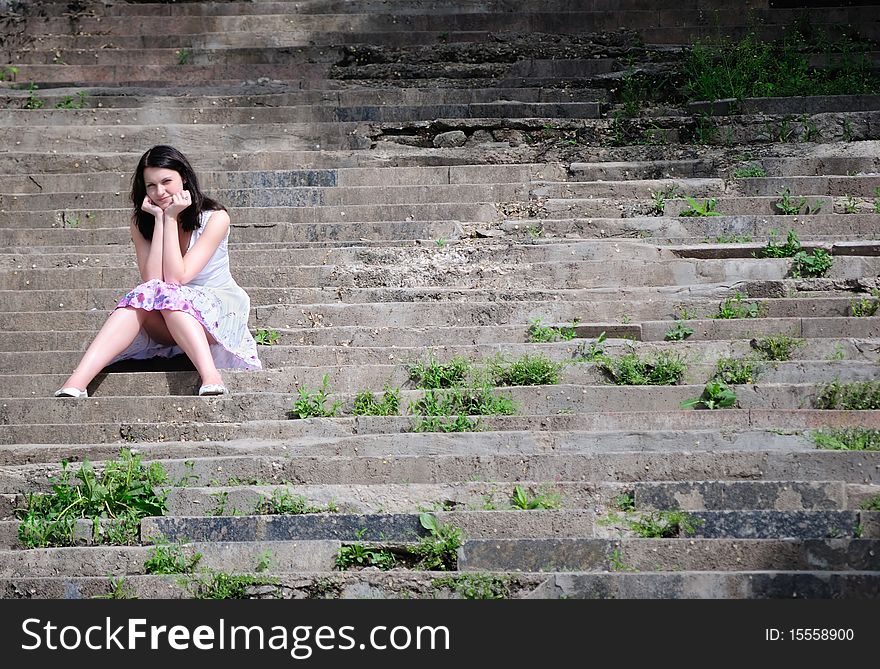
(222, 311)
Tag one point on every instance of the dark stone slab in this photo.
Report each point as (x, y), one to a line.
(775, 524)
(345, 527)
(729, 495)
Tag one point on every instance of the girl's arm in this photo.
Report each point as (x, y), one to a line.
(149, 252)
(183, 269)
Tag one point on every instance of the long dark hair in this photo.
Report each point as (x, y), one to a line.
(169, 158)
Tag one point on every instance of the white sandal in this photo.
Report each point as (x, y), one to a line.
(213, 389)
(70, 391)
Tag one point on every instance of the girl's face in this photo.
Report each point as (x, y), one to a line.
(161, 184)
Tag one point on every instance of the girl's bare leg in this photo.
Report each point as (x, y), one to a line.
(115, 335)
(191, 337)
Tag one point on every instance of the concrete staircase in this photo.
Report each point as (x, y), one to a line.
(415, 181)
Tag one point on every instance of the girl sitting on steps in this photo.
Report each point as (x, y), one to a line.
(188, 301)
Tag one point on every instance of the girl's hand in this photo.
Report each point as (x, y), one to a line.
(148, 206)
(179, 202)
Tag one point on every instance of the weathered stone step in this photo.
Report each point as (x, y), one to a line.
(293, 197)
(314, 555)
(264, 224)
(629, 189)
(716, 436)
(397, 498)
(773, 584)
(397, 7)
(751, 250)
(668, 554)
(477, 525)
(285, 178)
(245, 255)
(764, 584)
(497, 495)
(588, 555)
(205, 97)
(634, 305)
(459, 457)
(809, 104)
(255, 115)
(839, 186)
(137, 429)
(576, 21)
(530, 401)
(442, 272)
(677, 229)
(357, 370)
(709, 167)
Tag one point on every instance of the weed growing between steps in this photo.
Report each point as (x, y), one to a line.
(813, 264)
(715, 395)
(431, 374)
(436, 552)
(312, 405)
(733, 307)
(118, 590)
(751, 67)
(696, 209)
(775, 250)
(123, 493)
(777, 346)
(284, 504)
(749, 171)
(541, 500)
(733, 371)
(366, 403)
(850, 439)
(664, 524)
(527, 370)
(266, 337)
(538, 333)
(872, 504)
(220, 585)
(664, 369)
(167, 558)
(865, 307)
(678, 332)
(475, 586)
(857, 396)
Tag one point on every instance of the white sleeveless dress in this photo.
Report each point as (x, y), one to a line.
(213, 298)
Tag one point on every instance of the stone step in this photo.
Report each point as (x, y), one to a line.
(476, 525)
(631, 457)
(363, 196)
(676, 230)
(39, 287)
(663, 305)
(266, 405)
(856, 186)
(397, 498)
(475, 555)
(138, 429)
(356, 371)
(666, 555)
(497, 495)
(409, 25)
(703, 167)
(285, 178)
(207, 97)
(251, 137)
(315, 555)
(716, 436)
(397, 7)
(773, 584)
(822, 340)
(627, 189)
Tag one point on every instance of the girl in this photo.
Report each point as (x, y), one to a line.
(188, 300)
